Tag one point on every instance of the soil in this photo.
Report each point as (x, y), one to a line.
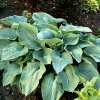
(67, 10)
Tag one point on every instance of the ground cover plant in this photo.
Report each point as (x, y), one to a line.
(88, 92)
(90, 5)
(47, 52)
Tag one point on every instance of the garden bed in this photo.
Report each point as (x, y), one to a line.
(69, 11)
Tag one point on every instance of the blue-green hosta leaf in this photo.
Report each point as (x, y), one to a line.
(98, 41)
(94, 52)
(43, 18)
(42, 26)
(59, 20)
(3, 64)
(76, 52)
(8, 33)
(89, 60)
(13, 51)
(30, 76)
(3, 43)
(43, 55)
(48, 34)
(71, 38)
(88, 37)
(5, 22)
(53, 41)
(59, 61)
(46, 18)
(49, 37)
(10, 73)
(83, 44)
(15, 19)
(91, 38)
(87, 71)
(51, 88)
(68, 78)
(28, 36)
(72, 28)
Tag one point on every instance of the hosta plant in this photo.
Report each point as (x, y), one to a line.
(88, 92)
(47, 53)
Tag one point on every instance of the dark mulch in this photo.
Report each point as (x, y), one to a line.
(69, 11)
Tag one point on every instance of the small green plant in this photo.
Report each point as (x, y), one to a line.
(47, 54)
(90, 5)
(88, 92)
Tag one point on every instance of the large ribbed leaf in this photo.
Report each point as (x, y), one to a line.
(43, 55)
(98, 41)
(89, 60)
(76, 52)
(13, 51)
(15, 19)
(43, 18)
(83, 44)
(68, 78)
(28, 36)
(87, 71)
(49, 37)
(30, 76)
(8, 33)
(46, 18)
(5, 22)
(94, 52)
(48, 34)
(71, 38)
(60, 60)
(53, 41)
(10, 73)
(51, 88)
(3, 64)
(59, 20)
(72, 28)
(3, 43)
(90, 38)
(42, 26)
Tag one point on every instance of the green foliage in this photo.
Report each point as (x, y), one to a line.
(43, 53)
(88, 92)
(98, 2)
(90, 5)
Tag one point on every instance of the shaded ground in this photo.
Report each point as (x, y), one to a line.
(69, 11)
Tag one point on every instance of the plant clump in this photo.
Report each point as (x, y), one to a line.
(38, 50)
(90, 5)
